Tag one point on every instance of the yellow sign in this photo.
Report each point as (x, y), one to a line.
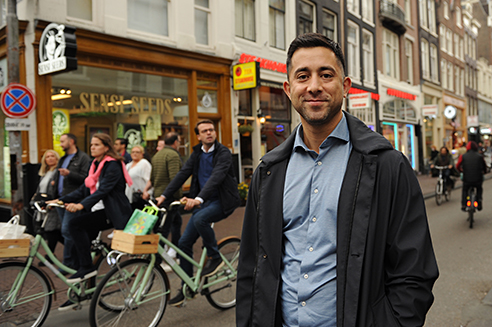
(246, 76)
(61, 125)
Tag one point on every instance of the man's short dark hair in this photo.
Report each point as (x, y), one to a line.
(170, 138)
(205, 121)
(122, 141)
(313, 40)
(72, 137)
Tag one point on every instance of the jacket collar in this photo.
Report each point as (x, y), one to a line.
(363, 140)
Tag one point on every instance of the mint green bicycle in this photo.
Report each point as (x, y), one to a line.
(135, 292)
(26, 292)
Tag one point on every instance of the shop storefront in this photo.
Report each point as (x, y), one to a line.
(133, 90)
(431, 118)
(263, 115)
(399, 118)
(362, 104)
(455, 133)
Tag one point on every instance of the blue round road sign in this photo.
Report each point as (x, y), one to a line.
(18, 101)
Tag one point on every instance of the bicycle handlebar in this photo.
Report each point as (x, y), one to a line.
(58, 204)
(174, 203)
(441, 167)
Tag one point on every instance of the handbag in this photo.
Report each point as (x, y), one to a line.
(11, 229)
(142, 221)
(136, 196)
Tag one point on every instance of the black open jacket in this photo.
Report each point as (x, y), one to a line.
(386, 266)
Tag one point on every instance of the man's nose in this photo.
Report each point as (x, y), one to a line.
(315, 84)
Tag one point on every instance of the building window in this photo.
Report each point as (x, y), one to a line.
(433, 63)
(245, 19)
(408, 12)
(353, 6)
(3, 21)
(442, 37)
(306, 17)
(391, 52)
(450, 76)
(458, 17)
(446, 9)
(329, 25)
(423, 13)
(425, 59)
(474, 47)
(431, 5)
(202, 13)
(277, 23)
(444, 74)
(449, 41)
(462, 50)
(367, 10)
(457, 80)
(368, 59)
(353, 57)
(81, 9)
(409, 59)
(275, 106)
(148, 16)
(456, 45)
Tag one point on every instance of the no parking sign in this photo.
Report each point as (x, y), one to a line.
(18, 101)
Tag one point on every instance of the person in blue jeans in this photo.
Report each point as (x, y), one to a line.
(213, 196)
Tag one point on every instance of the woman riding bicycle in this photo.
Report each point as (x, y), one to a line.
(444, 158)
(98, 204)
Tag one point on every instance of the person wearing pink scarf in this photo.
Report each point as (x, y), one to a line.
(99, 204)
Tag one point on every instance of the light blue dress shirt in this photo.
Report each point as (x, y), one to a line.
(312, 187)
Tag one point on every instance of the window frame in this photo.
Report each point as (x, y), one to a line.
(425, 59)
(434, 71)
(274, 26)
(356, 48)
(431, 7)
(335, 25)
(368, 54)
(244, 20)
(391, 44)
(368, 5)
(302, 19)
(209, 14)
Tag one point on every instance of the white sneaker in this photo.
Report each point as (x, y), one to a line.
(172, 253)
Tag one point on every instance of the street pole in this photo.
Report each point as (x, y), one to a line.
(15, 138)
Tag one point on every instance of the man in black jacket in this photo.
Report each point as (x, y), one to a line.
(213, 196)
(335, 231)
(473, 166)
(72, 170)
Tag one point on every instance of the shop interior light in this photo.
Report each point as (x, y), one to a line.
(177, 99)
(59, 93)
(110, 104)
(260, 116)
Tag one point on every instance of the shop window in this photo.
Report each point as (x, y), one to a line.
(207, 101)
(139, 107)
(245, 19)
(81, 9)
(399, 109)
(245, 104)
(149, 16)
(277, 23)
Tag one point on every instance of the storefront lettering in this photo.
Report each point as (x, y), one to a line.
(115, 103)
(264, 63)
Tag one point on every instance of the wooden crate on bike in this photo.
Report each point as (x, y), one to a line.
(135, 244)
(14, 248)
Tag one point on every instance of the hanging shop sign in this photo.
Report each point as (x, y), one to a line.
(18, 101)
(246, 76)
(264, 63)
(57, 49)
(430, 110)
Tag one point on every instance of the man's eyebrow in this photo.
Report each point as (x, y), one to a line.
(323, 68)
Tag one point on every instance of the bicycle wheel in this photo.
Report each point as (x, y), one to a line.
(120, 308)
(439, 192)
(470, 217)
(33, 302)
(223, 295)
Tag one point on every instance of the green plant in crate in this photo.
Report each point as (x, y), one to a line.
(243, 189)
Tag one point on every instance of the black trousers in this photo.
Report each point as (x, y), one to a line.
(172, 224)
(466, 187)
(83, 228)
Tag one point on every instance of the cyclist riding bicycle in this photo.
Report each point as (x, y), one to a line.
(473, 166)
(444, 158)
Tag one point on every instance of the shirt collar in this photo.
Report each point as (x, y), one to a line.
(340, 132)
(212, 148)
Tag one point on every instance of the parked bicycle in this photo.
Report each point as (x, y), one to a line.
(442, 192)
(26, 291)
(137, 290)
(471, 204)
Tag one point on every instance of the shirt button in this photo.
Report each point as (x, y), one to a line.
(311, 249)
(319, 163)
(303, 303)
(314, 219)
(306, 276)
(315, 190)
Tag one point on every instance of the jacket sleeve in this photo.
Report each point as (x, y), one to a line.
(78, 177)
(173, 167)
(223, 163)
(110, 176)
(460, 161)
(247, 257)
(411, 267)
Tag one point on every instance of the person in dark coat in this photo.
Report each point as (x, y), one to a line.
(99, 204)
(335, 230)
(473, 166)
(213, 196)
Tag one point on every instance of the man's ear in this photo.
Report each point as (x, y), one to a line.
(347, 84)
(287, 88)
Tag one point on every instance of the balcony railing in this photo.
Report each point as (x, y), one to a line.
(392, 15)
